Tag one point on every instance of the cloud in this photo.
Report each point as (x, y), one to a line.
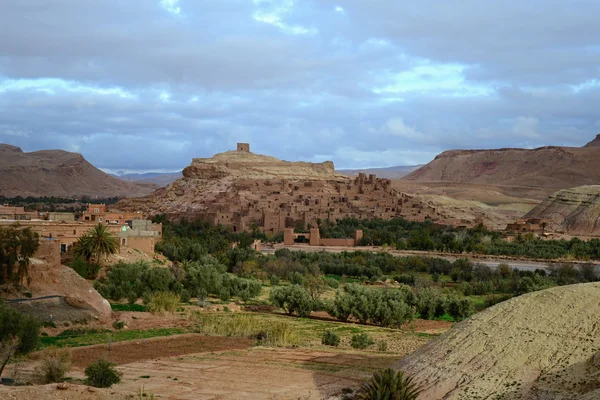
(397, 127)
(148, 85)
(526, 127)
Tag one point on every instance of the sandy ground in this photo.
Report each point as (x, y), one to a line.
(197, 367)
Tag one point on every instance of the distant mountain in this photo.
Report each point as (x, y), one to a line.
(396, 172)
(59, 173)
(157, 178)
(548, 167)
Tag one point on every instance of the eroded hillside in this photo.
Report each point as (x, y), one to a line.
(543, 345)
(574, 211)
(548, 167)
(58, 173)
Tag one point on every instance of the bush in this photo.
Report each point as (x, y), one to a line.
(162, 302)
(460, 307)
(361, 341)
(274, 280)
(390, 307)
(330, 339)
(118, 325)
(389, 384)
(266, 331)
(55, 363)
(102, 374)
(19, 334)
(293, 299)
(382, 346)
(430, 303)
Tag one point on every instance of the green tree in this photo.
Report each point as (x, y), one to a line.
(17, 245)
(293, 299)
(96, 243)
(389, 385)
(19, 334)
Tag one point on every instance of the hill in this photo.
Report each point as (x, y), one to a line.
(395, 172)
(548, 167)
(574, 211)
(245, 191)
(58, 173)
(156, 178)
(543, 345)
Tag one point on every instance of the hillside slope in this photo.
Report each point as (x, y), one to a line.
(58, 173)
(574, 211)
(395, 172)
(543, 345)
(550, 167)
(157, 178)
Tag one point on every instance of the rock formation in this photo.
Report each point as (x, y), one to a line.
(548, 167)
(58, 173)
(574, 211)
(542, 345)
(245, 190)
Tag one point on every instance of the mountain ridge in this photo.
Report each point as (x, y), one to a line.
(58, 173)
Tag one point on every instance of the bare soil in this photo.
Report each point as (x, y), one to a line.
(148, 349)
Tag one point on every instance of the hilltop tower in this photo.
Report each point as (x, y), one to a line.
(245, 147)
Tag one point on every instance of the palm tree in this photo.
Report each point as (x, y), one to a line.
(96, 243)
(388, 384)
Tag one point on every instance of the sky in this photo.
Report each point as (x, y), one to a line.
(147, 85)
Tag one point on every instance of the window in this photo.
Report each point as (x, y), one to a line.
(96, 210)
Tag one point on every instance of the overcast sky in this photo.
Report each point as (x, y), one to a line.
(150, 84)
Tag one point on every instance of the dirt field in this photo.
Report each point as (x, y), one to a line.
(198, 367)
(146, 349)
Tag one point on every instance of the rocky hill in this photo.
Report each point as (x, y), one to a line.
(157, 178)
(548, 167)
(574, 211)
(241, 189)
(395, 172)
(58, 173)
(543, 345)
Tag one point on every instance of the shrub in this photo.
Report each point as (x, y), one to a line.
(460, 307)
(266, 331)
(19, 334)
(55, 363)
(274, 280)
(162, 302)
(118, 324)
(391, 307)
(293, 299)
(361, 341)
(158, 279)
(389, 384)
(330, 339)
(430, 303)
(80, 266)
(102, 374)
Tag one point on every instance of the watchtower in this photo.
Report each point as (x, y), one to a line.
(245, 147)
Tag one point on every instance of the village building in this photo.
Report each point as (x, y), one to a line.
(16, 213)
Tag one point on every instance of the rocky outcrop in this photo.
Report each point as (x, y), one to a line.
(246, 165)
(594, 143)
(540, 346)
(59, 173)
(574, 211)
(548, 167)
